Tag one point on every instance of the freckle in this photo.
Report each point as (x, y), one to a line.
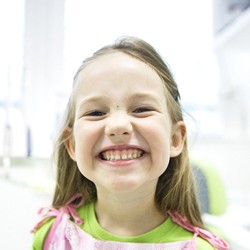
(117, 106)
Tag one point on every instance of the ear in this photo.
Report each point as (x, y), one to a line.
(69, 142)
(178, 138)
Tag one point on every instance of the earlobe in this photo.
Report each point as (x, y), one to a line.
(69, 142)
(178, 138)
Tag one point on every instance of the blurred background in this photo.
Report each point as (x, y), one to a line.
(205, 43)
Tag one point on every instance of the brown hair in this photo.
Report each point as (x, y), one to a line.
(175, 189)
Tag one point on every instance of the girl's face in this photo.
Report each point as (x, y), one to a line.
(122, 137)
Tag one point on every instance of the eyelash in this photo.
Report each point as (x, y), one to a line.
(96, 113)
(138, 111)
(142, 110)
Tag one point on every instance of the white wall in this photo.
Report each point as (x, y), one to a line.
(11, 55)
(57, 39)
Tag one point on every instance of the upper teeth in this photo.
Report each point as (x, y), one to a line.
(115, 155)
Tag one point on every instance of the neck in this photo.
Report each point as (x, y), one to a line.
(128, 214)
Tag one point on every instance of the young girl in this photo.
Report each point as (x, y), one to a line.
(123, 174)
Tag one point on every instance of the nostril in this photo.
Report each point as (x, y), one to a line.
(118, 131)
(118, 134)
(118, 127)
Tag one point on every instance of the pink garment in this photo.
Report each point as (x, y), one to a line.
(67, 235)
(214, 240)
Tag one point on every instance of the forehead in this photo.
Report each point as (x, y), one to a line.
(114, 61)
(121, 72)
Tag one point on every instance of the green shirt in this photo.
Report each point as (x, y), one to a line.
(168, 231)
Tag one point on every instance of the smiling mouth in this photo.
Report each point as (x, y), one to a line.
(121, 155)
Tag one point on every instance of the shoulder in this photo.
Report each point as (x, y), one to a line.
(178, 233)
(203, 234)
(40, 234)
(203, 244)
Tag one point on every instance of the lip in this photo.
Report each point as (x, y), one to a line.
(120, 163)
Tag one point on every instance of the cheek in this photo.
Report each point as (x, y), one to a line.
(86, 136)
(157, 133)
(158, 136)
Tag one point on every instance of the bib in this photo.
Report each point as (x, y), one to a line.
(66, 234)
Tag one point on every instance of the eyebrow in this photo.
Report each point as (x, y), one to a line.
(133, 96)
(103, 98)
(94, 98)
(144, 96)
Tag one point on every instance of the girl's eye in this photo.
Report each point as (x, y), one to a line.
(95, 113)
(142, 110)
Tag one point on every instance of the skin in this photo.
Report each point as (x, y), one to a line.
(121, 110)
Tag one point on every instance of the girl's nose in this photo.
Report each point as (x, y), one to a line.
(118, 126)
